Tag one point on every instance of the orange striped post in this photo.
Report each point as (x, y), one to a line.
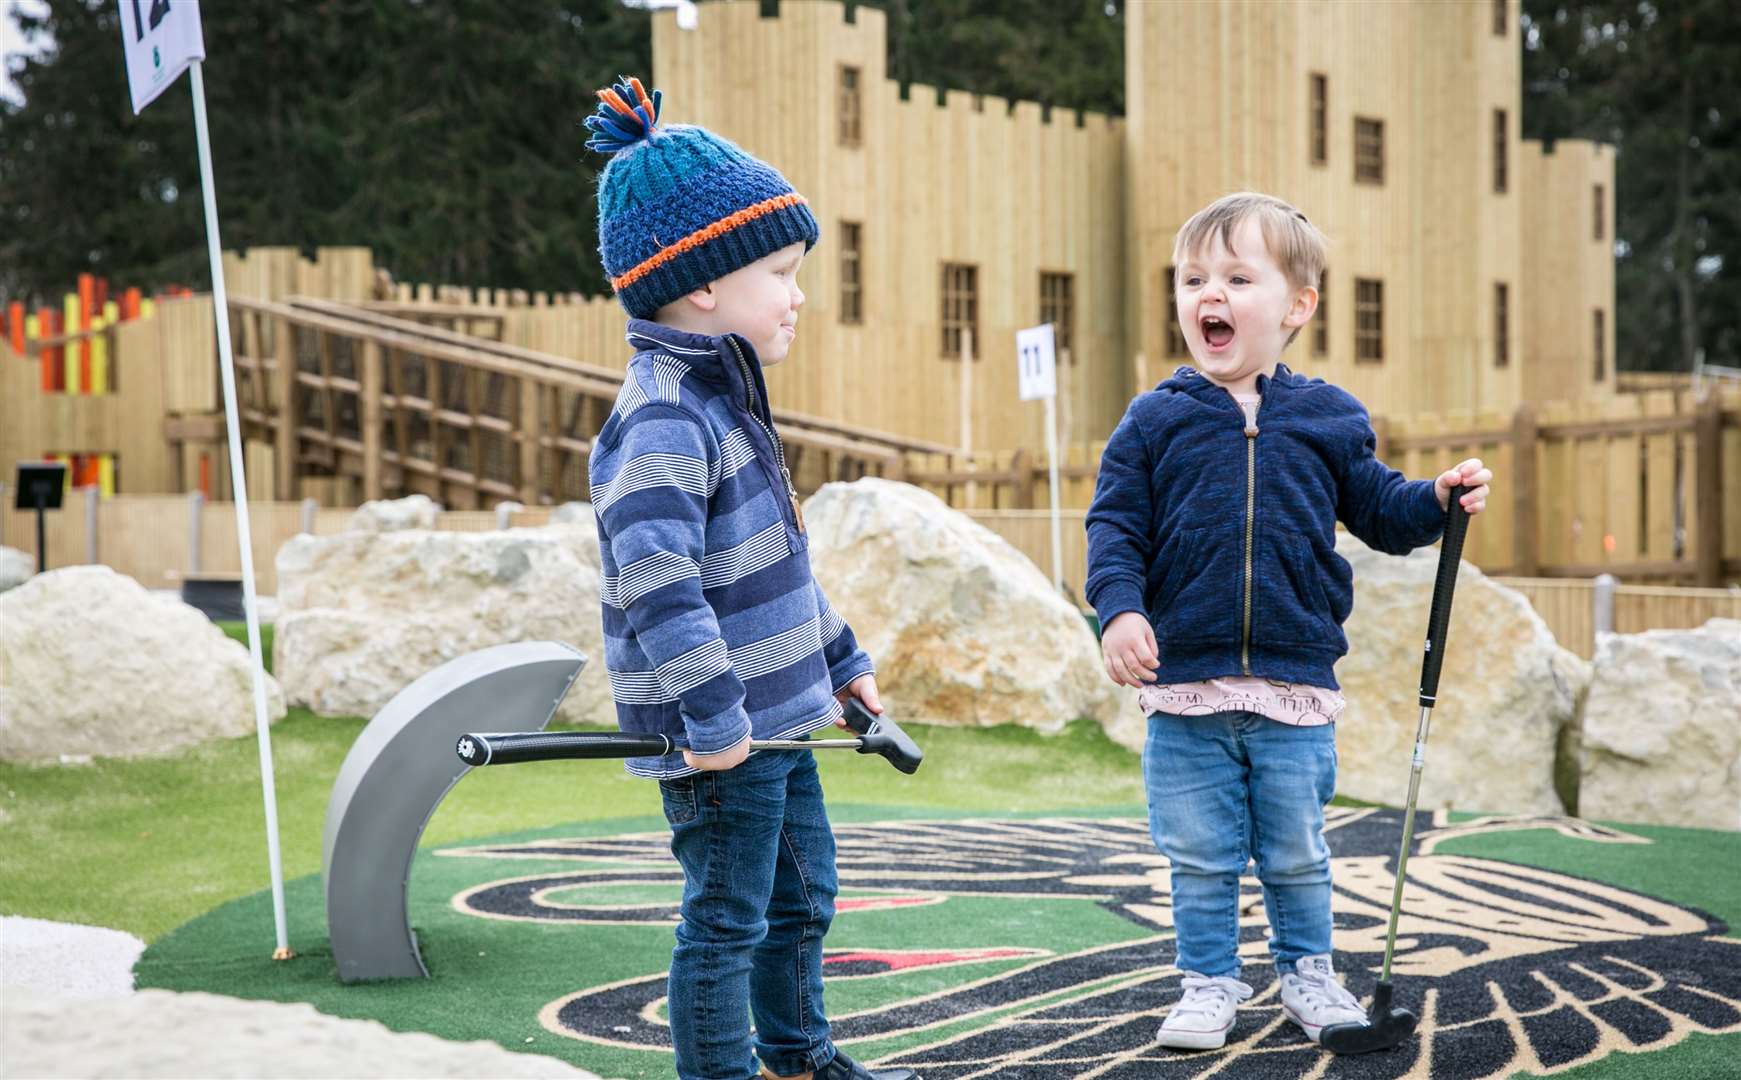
(130, 304)
(87, 297)
(205, 475)
(15, 324)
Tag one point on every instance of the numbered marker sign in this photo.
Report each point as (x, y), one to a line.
(161, 38)
(1036, 362)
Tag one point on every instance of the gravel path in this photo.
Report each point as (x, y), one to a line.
(68, 1009)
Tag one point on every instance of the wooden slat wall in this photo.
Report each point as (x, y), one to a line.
(161, 366)
(274, 273)
(1435, 232)
(1557, 333)
(966, 181)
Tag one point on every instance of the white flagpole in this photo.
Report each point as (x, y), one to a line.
(1052, 475)
(220, 309)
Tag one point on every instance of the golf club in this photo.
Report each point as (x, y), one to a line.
(1386, 1026)
(876, 735)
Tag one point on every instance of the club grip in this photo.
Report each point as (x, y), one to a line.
(859, 720)
(510, 748)
(1439, 619)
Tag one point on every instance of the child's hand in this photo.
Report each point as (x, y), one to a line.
(1472, 475)
(729, 758)
(1127, 645)
(863, 688)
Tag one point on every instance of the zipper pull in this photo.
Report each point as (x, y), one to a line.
(792, 494)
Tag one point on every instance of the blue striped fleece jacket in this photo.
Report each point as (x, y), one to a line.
(714, 625)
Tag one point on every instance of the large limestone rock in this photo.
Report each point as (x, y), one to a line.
(364, 614)
(160, 1035)
(15, 568)
(1662, 728)
(964, 629)
(575, 526)
(91, 663)
(391, 515)
(1507, 691)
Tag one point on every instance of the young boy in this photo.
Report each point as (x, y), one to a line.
(1212, 566)
(715, 629)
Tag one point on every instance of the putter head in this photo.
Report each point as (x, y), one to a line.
(1384, 1028)
(881, 735)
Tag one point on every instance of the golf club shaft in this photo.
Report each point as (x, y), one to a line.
(807, 744)
(876, 735)
(1408, 834)
(1438, 625)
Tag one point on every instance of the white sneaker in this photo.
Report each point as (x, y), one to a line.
(1201, 1019)
(1313, 999)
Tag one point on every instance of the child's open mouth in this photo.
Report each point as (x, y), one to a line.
(1216, 331)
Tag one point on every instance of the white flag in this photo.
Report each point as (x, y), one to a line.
(161, 38)
(1037, 366)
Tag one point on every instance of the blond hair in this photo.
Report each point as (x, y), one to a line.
(1295, 243)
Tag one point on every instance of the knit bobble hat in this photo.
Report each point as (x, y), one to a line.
(678, 206)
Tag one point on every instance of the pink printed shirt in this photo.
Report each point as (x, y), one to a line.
(1288, 703)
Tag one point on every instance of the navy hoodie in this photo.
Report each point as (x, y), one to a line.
(1224, 535)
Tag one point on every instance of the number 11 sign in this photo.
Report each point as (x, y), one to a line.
(1037, 370)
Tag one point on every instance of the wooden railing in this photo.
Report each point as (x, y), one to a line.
(1646, 486)
(408, 407)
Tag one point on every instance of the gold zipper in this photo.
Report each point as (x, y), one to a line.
(773, 438)
(1250, 515)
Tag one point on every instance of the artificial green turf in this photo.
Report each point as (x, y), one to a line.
(490, 978)
(1698, 868)
(1698, 1057)
(145, 845)
(1695, 867)
(238, 629)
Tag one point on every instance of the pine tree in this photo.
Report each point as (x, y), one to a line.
(444, 134)
(1663, 84)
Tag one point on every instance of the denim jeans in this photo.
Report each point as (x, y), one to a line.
(1229, 788)
(758, 894)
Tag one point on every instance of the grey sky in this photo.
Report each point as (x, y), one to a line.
(13, 42)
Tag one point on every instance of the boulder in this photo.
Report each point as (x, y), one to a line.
(363, 614)
(1662, 728)
(391, 515)
(575, 526)
(1507, 691)
(92, 663)
(15, 567)
(963, 628)
(160, 1035)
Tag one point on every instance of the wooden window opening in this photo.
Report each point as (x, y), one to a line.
(851, 272)
(1058, 307)
(960, 308)
(1368, 150)
(1368, 320)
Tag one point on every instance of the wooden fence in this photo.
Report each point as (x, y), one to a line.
(1645, 486)
(159, 539)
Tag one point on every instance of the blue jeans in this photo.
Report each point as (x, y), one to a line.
(758, 894)
(1229, 788)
